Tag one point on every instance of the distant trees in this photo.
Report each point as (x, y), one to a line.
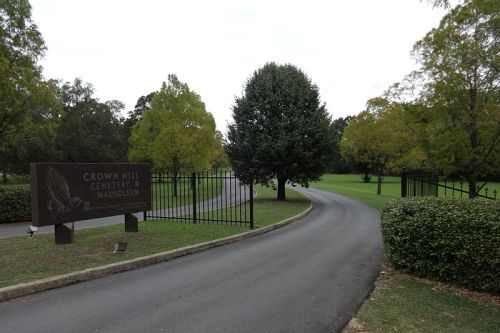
(337, 164)
(142, 104)
(219, 159)
(379, 138)
(368, 139)
(88, 130)
(176, 133)
(280, 129)
(49, 121)
(446, 115)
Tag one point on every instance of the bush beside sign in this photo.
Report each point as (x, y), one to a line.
(67, 192)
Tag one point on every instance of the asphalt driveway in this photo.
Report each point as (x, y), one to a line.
(310, 276)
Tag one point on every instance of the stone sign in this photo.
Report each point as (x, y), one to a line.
(67, 192)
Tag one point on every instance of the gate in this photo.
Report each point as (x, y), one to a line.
(217, 198)
(419, 183)
(428, 183)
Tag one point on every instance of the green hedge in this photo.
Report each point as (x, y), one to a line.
(15, 203)
(452, 240)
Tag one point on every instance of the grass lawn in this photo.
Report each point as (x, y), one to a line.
(25, 259)
(352, 186)
(402, 303)
(268, 211)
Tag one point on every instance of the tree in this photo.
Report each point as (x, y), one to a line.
(142, 104)
(444, 3)
(379, 138)
(89, 131)
(367, 141)
(35, 141)
(337, 164)
(440, 3)
(219, 158)
(21, 46)
(280, 130)
(176, 133)
(460, 73)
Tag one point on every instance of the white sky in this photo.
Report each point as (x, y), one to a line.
(353, 50)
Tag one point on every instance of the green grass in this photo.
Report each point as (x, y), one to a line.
(402, 303)
(268, 210)
(163, 193)
(353, 187)
(25, 259)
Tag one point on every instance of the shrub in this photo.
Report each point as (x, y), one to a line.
(452, 240)
(15, 203)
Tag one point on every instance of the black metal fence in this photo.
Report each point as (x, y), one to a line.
(430, 183)
(218, 198)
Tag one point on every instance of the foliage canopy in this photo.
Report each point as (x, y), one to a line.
(459, 73)
(21, 46)
(176, 133)
(280, 129)
(89, 130)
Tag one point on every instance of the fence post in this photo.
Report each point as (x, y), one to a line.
(193, 187)
(251, 201)
(404, 183)
(436, 190)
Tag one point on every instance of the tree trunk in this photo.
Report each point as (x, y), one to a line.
(474, 140)
(281, 188)
(380, 177)
(366, 179)
(174, 181)
(472, 188)
(175, 174)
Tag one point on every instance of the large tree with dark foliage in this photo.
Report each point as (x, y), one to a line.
(89, 131)
(280, 129)
(143, 104)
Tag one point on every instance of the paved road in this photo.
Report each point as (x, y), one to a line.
(310, 276)
(231, 194)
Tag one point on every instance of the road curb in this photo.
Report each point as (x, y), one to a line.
(23, 289)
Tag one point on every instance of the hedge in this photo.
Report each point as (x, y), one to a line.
(15, 203)
(452, 240)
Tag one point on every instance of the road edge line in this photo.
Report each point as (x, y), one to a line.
(24, 289)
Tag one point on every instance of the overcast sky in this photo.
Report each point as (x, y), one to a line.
(353, 50)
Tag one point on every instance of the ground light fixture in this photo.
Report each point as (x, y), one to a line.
(31, 230)
(120, 247)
